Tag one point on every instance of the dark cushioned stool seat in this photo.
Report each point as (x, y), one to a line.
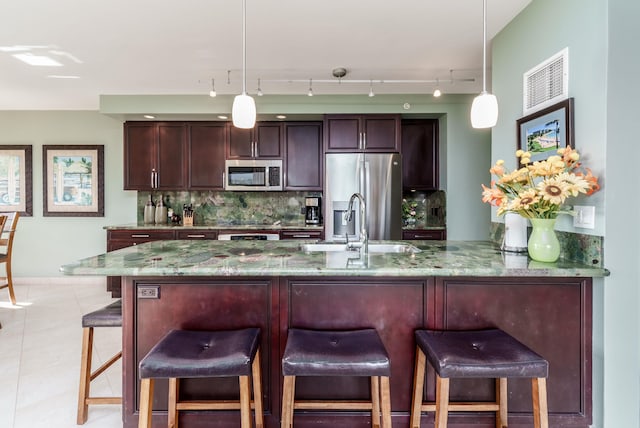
(183, 353)
(337, 353)
(486, 353)
(476, 354)
(197, 354)
(108, 316)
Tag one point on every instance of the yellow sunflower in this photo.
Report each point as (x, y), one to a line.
(553, 190)
(575, 184)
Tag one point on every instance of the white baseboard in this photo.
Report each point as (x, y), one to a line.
(61, 280)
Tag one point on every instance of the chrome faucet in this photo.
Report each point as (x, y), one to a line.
(364, 237)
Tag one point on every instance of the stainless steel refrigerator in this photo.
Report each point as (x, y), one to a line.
(378, 177)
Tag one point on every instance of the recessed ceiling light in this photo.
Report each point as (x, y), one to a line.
(37, 60)
(60, 76)
(223, 117)
(149, 116)
(281, 116)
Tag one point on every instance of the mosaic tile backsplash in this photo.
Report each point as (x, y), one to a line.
(234, 208)
(267, 208)
(576, 247)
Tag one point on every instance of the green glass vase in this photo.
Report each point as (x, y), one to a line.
(543, 243)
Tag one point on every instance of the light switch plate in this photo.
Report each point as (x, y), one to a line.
(585, 216)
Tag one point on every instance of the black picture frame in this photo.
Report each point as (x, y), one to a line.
(543, 132)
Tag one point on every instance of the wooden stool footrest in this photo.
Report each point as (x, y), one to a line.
(103, 400)
(464, 407)
(210, 405)
(338, 405)
(106, 365)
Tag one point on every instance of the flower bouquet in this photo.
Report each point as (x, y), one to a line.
(538, 191)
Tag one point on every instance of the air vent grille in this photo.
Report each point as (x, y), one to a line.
(546, 83)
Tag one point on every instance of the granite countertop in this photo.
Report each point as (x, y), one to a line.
(284, 258)
(241, 227)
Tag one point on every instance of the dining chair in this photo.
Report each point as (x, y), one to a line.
(6, 240)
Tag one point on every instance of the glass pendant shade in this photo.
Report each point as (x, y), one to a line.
(484, 111)
(243, 112)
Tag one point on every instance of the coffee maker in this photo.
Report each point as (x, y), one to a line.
(313, 205)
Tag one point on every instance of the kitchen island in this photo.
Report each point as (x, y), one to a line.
(276, 285)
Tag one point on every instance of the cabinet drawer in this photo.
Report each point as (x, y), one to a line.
(424, 234)
(139, 235)
(196, 234)
(301, 234)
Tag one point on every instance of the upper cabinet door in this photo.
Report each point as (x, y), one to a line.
(171, 156)
(139, 155)
(263, 141)
(420, 154)
(206, 155)
(356, 133)
(303, 156)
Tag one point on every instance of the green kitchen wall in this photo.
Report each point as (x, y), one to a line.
(603, 61)
(44, 243)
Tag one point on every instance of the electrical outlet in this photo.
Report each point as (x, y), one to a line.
(584, 217)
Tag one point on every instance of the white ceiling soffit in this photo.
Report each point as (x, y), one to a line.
(168, 47)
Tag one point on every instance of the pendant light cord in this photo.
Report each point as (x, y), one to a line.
(484, 46)
(244, 47)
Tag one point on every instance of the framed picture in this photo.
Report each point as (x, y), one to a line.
(542, 133)
(73, 181)
(16, 190)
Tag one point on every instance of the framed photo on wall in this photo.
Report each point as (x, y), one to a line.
(73, 181)
(16, 189)
(542, 133)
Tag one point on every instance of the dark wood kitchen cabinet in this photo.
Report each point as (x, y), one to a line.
(420, 154)
(206, 155)
(154, 155)
(122, 238)
(424, 234)
(357, 133)
(303, 156)
(262, 141)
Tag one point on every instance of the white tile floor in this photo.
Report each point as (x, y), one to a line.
(40, 343)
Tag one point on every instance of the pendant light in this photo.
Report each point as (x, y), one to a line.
(243, 111)
(484, 110)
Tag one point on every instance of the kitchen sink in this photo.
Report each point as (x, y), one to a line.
(373, 248)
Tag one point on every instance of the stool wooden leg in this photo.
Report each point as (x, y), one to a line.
(385, 398)
(256, 374)
(245, 402)
(288, 392)
(85, 375)
(146, 401)
(418, 387)
(375, 401)
(442, 402)
(502, 400)
(174, 385)
(540, 411)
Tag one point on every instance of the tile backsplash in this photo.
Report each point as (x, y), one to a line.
(267, 208)
(234, 208)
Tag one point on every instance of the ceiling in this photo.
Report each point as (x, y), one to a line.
(141, 47)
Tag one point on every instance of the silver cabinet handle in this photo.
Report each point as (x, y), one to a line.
(302, 236)
(364, 141)
(142, 235)
(195, 236)
(224, 180)
(153, 172)
(359, 140)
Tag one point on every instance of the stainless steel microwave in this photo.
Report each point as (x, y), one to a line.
(253, 175)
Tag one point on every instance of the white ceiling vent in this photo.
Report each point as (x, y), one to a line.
(546, 83)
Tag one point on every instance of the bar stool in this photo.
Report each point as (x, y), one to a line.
(476, 354)
(201, 354)
(337, 353)
(109, 316)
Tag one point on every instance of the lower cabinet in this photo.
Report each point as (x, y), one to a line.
(117, 239)
(301, 234)
(428, 234)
